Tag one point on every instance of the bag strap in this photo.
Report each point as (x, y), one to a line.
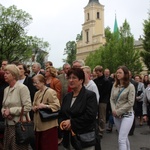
(43, 95)
(119, 94)
(21, 116)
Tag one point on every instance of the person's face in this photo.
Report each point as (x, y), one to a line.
(47, 73)
(107, 73)
(8, 77)
(76, 65)
(21, 70)
(98, 73)
(35, 68)
(4, 63)
(47, 65)
(74, 82)
(120, 74)
(39, 85)
(66, 68)
(145, 78)
(137, 79)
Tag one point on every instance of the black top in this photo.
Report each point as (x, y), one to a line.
(104, 87)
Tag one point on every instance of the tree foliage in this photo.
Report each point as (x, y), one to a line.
(146, 42)
(15, 45)
(118, 50)
(70, 51)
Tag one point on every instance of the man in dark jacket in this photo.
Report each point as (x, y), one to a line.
(136, 86)
(104, 88)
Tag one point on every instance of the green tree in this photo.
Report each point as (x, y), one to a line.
(70, 51)
(15, 45)
(146, 42)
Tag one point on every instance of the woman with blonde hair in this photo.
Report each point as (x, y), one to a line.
(52, 81)
(16, 95)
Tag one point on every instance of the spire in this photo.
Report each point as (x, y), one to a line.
(115, 25)
(90, 1)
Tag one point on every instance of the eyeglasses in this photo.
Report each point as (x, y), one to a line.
(35, 83)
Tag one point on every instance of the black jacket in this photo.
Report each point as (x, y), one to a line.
(82, 113)
(104, 87)
(29, 83)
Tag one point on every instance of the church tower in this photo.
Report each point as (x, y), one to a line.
(92, 29)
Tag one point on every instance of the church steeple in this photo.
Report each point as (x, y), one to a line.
(90, 1)
(115, 25)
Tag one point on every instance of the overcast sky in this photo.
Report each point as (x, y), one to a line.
(59, 21)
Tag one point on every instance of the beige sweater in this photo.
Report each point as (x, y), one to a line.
(125, 101)
(14, 99)
(50, 98)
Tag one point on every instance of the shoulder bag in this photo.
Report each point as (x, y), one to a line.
(84, 140)
(24, 130)
(46, 114)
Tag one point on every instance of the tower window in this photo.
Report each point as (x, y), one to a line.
(98, 15)
(88, 16)
(87, 36)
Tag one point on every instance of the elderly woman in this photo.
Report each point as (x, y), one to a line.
(16, 95)
(45, 98)
(78, 111)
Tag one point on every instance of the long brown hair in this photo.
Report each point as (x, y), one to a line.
(126, 79)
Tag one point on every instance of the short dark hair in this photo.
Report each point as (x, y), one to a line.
(24, 67)
(77, 72)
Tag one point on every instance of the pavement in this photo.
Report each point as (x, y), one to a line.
(139, 141)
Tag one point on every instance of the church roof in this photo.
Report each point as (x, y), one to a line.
(91, 1)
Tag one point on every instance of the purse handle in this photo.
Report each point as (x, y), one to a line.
(43, 95)
(21, 116)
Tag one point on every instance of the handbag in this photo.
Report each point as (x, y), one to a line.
(84, 140)
(47, 114)
(24, 130)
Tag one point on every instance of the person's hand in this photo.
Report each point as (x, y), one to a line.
(114, 113)
(65, 125)
(34, 108)
(6, 112)
(145, 118)
(9, 117)
(41, 105)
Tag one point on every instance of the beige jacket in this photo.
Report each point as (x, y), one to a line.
(125, 101)
(49, 98)
(14, 99)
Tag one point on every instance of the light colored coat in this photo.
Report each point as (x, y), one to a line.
(49, 98)
(146, 99)
(125, 101)
(14, 99)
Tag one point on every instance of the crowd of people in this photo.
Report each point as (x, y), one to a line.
(86, 99)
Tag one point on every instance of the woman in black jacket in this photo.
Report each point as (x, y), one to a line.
(78, 112)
